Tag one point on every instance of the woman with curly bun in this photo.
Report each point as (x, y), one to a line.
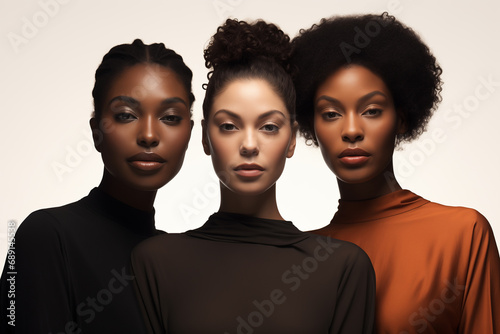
(71, 269)
(247, 270)
(370, 84)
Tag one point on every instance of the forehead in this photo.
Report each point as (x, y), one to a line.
(142, 80)
(353, 80)
(249, 97)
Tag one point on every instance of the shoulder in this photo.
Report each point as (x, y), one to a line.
(462, 227)
(43, 236)
(324, 231)
(161, 253)
(346, 252)
(49, 225)
(159, 246)
(47, 220)
(458, 217)
(40, 223)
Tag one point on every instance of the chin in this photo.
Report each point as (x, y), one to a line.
(148, 186)
(354, 177)
(250, 189)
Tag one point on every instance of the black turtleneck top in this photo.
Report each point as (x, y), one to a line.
(71, 269)
(241, 274)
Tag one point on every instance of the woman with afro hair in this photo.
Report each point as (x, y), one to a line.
(247, 270)
(364, 85)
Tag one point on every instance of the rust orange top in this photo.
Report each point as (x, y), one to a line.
(437, 267)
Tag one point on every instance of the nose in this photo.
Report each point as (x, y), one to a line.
(249, 146)
(148, 134)
(352, 130)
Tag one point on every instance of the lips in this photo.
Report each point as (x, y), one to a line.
(353, 152)
(146, 162)
(354, 157)
(249, 170)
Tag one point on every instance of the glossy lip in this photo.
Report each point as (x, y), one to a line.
(354, 157)
(249, 170)
(353, 152)
(146, 162)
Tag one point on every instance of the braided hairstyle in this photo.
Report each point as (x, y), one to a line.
(380, 43)
(241, 50)
(123, 56)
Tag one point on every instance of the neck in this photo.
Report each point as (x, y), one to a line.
(139, 199)
(262, 205)
(383, 184)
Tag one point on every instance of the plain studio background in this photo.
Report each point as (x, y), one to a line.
(51, 49)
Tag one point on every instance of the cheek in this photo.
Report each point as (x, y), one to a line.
(319, 127)
(176, 140)
(281, 146)
(118, 140)
(326, 134)
(222, 148)
(276, 149)
(384, 136)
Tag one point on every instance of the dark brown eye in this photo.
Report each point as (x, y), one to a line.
(373, 112)
(227, 127)
(124, 117)
(171, 119)
(270, 128)
(330, 115)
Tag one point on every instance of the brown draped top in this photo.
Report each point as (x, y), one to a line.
(437, 267)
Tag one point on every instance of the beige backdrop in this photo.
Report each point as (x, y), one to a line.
(51, 48)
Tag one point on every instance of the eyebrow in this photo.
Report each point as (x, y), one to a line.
(133, 102)
(234, 115)
(361, 100)
(174, 100)
(127, 99)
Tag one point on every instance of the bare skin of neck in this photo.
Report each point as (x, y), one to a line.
(383, 184)
(142, 200)
(261, 205)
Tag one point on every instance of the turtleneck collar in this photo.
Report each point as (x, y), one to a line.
(232, 227)
(392, 204)
(136, 220)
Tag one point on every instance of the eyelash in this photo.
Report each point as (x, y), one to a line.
(331, 115)
(171, 119)
(227, 127)
(267, 128)
(124, 117)
(377, 110)
(274, 128)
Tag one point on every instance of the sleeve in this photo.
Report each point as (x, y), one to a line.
(35, 285)
(355, 307)
(481, 305)
(146, 289)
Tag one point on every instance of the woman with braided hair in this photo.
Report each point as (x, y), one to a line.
(72, 261)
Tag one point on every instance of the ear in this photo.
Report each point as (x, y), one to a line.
(293, 140)
(96, 133)
(402, 126)
(204, 137)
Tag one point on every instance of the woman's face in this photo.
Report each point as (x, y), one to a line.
(145, 127)
(356, 124)
(249, 136)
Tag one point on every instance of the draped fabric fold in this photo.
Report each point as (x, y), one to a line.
(241, 274)
(437, 267)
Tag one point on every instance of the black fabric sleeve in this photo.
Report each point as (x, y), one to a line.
(355, 306)
(146, 288)
(41, 299)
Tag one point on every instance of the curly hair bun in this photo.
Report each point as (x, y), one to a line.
(239, 42)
